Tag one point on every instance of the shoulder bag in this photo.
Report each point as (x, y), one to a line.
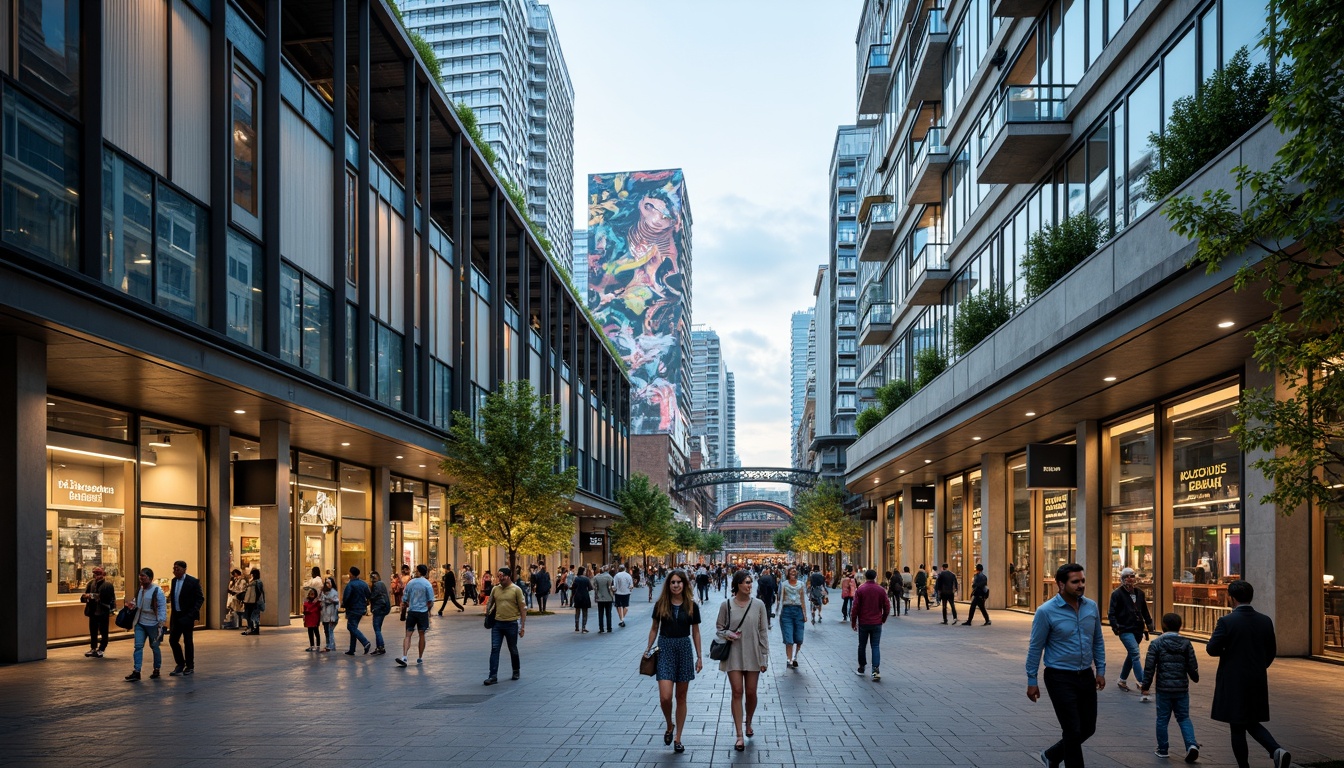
(490, 616)
(648, 662)
(719, 648)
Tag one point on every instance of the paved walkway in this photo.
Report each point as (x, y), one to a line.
(949, 695)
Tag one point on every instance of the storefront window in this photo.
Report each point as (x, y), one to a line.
(408, 538)
(1333, 579)
(973, 503)
(356, 512)
(892, 561)
(928, 540)
(1057, 531)
(953, 552)
(1019, 568)
(1129, 452)
(1206, 507)
(171, 471)
(244, 522)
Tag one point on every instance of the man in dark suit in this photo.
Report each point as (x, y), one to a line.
(185, 598)
(1244, 641)
(946, 587)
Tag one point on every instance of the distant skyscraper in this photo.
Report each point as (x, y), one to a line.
(503, 59)
(579, 263)
(713, 406)
(734, 490)
(640, 263)
(802, 361)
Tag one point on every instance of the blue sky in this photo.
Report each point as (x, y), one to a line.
(745, 96)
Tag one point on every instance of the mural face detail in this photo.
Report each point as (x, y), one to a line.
(639, 237)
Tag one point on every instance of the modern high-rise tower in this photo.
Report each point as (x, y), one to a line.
(713, 406)
(503, 59)
(802, 362)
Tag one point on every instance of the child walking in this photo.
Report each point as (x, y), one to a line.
(1171, 662)
(312, 618)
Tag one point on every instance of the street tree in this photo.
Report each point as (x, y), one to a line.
(711, 543)
(783, 540)
(506, 487)
(1287, 243)
(686, 538)
(647, 527)
(823, 526)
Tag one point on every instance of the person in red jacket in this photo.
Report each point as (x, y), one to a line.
(869, 614)
(312, 619)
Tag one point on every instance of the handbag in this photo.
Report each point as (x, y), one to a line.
(718, 648)
(648, 662)
(490, 617)
(125, 618)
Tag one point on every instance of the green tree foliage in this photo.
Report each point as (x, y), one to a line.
(647, 526)
(505, 485)
(421, 46)
(821, 523)
(1289, 246)
(1229, 103)
(978, 316)
(929, 362)
(867, 419)
(686, 537)
(783, 540)
(893, 394)
(1058, 248)
(711, 543)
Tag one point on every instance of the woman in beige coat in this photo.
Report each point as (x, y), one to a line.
(743, 621)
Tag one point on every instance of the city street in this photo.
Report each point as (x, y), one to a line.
(949, 695)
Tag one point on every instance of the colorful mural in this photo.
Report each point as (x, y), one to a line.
(639, 251)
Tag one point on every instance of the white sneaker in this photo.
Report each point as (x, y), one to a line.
(1282, 758)
(401, 661)
(1145, 697)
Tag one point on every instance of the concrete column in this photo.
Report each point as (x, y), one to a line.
(995, 501)
(276, 568)
(23, 498)
(218, 508)
(381, 557)
(1277, 547)
(912, 535)
(1088, 546)
(939, 524)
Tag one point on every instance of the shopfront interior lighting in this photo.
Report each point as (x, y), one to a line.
(163, 441)
(1226, 324)
(93, 454)
(142, 259)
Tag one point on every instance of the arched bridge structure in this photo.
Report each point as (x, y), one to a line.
(748, 528)
(802, 478)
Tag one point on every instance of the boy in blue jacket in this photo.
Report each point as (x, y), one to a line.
(1171, 664)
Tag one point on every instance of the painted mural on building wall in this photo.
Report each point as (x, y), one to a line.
(638, 255)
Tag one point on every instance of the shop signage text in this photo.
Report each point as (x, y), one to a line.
(1052, 466)
(87, 493)
(921, 497)
(1204, 478)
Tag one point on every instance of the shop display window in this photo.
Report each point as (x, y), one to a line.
(171, 470)
(1129, 453)
(953, 552)
(1332, 581)
(1019, 568)
(1206, 507)
(1057, 537)
(973, 496)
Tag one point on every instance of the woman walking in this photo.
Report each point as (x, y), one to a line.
(792, 616)
(151, 618)
(486, 586)
(253, 597)
(331, 612)
(580, 597)
(742, 623)
(562, 586)
(676, 627)
(847, 587)
(816, 593)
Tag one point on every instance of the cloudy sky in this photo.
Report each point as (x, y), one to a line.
(745, 96)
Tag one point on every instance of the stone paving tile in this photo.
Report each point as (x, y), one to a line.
(950, 695)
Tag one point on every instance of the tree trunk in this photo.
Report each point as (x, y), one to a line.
(835, 574)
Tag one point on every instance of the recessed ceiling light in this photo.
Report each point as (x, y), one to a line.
(1031, 413)
(239, 411)
(422, 466)
(1226, 324)
(50, 404)
(928, 461)
(401, 457)
(1109, 378)
(975, 438)
(902, 471)
(345, 445)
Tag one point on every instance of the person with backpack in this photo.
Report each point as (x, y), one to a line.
(922, 588)
(1170, 666)
(380, 604)
(907, 586)
(151, 620)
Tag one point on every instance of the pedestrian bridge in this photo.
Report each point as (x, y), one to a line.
(802, 478)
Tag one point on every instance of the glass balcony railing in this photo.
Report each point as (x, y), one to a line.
(932, 142)
(930, 23)
(881, 213)
(931, 256)
(879, 313)
(879, 55)
(1025, 104)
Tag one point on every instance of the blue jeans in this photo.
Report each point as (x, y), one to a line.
(352, 624)
(791, 624)
(1131, 643)
(378, 630)
(1179, 705)
(152, 634)
(870, 634)
(504, 631)
(330, 628)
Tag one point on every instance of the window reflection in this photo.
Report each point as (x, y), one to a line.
(244, 112)
(39, 194)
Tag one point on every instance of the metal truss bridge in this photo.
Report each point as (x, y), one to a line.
(800, 477)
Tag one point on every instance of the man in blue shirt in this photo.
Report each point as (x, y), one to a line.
(416, 601)
(355, 600)
(1067, 632)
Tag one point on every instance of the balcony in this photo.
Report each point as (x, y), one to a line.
(928, 159)
(876, 78)
(1023, 131)
(879, 227)
(876, 323)
(928, 40)
(929, 274)
(1019, 9)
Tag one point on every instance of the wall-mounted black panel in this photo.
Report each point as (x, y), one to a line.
(254, 483)
(401, 507)
(1052, 466)
(921, 497)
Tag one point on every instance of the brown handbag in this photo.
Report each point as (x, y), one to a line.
(648, 662)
